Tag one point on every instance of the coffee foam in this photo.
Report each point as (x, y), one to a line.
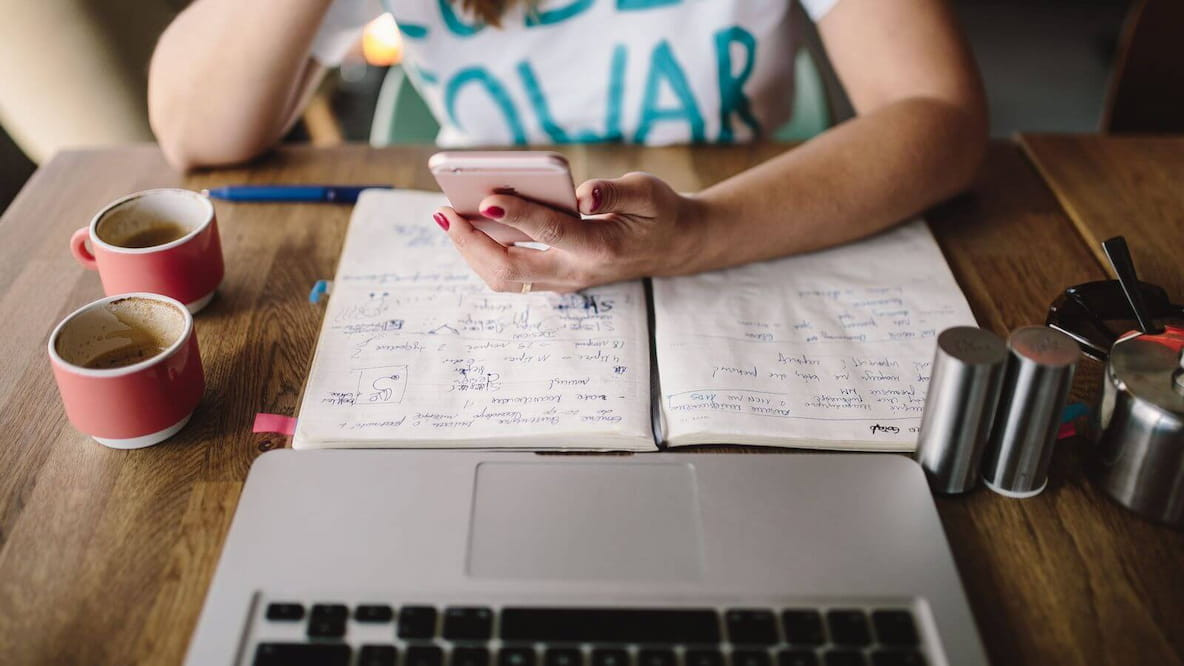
(140, 213)
(111, 325)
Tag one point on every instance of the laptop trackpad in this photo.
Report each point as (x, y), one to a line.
(585, 521)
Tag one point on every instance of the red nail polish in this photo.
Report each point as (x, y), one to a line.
(595, 199)
(494, 212)
(441, 220)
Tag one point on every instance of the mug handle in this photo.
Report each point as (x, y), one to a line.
(79, 250)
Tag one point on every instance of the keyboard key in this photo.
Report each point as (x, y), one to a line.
(516, 656)
(468, 624)
(282, 612)
(704, 658)
(373, 613)
(377, 655)
(797, 658)
(751, 627)
(417, 622)
(600, 625)
(656, 657)
(610, 657)
(302, 654)
(802, 626)
(844, 658)
(326, 627)
(469, 656)
(895, 627)
(848, 627)
(897, 658)
(563, 657)
(330, 611)
(751, 658)
(423, 655)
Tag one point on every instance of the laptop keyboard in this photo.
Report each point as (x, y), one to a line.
(334, 634)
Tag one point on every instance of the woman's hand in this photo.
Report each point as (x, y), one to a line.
(641, 227)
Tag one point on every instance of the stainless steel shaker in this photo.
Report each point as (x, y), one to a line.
(964, 387)
(1035, 388)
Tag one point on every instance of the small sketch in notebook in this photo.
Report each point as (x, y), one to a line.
(375, 305)
(382, 386)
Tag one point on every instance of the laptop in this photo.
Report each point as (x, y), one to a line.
(458, 558)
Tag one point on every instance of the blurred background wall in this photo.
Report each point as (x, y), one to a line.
(73, 72)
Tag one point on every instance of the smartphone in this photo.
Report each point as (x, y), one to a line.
(467, 177)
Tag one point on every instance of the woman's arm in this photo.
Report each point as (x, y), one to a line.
(228, 78)
(919, 137)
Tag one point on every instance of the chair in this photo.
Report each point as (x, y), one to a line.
(400, 114)
(1146, 90)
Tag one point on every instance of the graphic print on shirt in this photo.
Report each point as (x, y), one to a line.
(587, 71)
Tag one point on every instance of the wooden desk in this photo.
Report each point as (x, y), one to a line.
(1131, 186)
(105, 555)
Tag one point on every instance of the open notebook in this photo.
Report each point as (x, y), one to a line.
(826, 350)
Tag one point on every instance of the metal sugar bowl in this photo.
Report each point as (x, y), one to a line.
(1140, 425)
(1138, 428)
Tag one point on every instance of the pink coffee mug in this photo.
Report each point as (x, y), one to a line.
(128, 368)
(126, 246)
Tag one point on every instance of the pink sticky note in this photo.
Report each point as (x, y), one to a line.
(278, 423)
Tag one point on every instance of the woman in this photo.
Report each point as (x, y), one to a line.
(228, 78)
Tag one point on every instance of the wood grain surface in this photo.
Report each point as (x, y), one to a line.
(105, 555)
(1129, 186)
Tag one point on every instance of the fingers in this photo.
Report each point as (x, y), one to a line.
(504, 269)
(634, 193)
(543, 224)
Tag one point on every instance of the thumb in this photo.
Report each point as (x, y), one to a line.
(634, 193)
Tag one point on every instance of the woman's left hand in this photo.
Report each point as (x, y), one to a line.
(641, 227)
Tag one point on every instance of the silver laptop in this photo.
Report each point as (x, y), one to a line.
(450, 558)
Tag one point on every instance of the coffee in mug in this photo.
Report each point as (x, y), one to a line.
(162, 241)
(147, 233)
(125, 332)
(128, 368)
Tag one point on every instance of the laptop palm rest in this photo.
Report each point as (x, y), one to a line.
(605, 521)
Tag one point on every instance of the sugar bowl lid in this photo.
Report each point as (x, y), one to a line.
(1151, 368)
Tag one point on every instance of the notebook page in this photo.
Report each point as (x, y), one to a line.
(829, 350)
(415, 350)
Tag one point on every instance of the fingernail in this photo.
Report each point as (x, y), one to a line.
(441, 220)
(595, 199)
(494, 212)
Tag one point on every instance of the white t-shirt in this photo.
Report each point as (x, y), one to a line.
(638, 71)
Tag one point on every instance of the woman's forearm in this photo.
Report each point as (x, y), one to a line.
(860, 177)
(228, 76)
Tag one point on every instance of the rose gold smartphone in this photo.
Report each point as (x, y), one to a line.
(467, 177)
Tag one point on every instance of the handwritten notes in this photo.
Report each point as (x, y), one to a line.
(831, 349)
(416, 351)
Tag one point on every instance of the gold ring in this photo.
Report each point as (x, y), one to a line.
(526, 287)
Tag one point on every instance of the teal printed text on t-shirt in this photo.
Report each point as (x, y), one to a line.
(616, 85)
(497, 92)
(664, 71)
(532, 18)
(664, 67)
(731, 88)
(455, 24)
(556, 15)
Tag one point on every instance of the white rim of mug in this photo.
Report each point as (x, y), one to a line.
(127, 369)
(94, 223)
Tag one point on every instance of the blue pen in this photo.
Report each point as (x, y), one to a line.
(292, 193)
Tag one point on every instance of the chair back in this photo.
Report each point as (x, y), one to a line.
(1146, 90)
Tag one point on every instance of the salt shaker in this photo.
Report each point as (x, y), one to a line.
(1040, 367)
